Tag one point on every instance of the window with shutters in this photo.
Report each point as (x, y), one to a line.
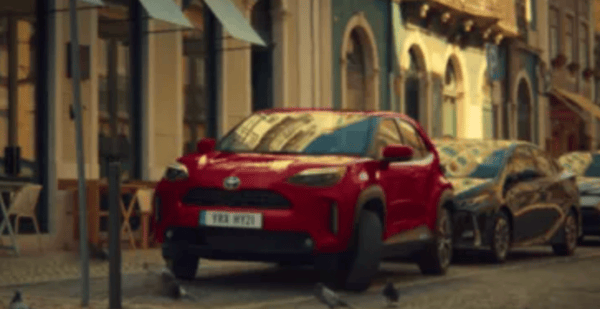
(584, 45)
(569, 43)
(554, 32)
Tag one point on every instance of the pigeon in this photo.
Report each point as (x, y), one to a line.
(329, 297)
(99, 252)
(17, 302)
(392, 295)
(171, 287)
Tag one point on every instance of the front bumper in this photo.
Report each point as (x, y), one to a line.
(310, 213)
(237, 244)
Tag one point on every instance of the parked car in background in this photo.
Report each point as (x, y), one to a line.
(586, 165)
(508, 194)
(338, 189)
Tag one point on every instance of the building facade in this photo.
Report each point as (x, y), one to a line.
(568, 55)
(442, 78)
(172, 86)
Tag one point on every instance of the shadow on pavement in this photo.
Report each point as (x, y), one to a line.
(469, 257)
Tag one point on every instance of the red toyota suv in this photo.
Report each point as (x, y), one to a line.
(338, 189)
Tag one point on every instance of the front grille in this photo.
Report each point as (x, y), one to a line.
(239, 198)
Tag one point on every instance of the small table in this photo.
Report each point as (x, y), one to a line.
(9, 187)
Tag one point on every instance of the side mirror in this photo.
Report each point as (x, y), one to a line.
(443, 169)
(398, 153)
(205, 145)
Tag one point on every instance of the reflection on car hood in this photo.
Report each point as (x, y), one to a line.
(464, 185)
(255, 162)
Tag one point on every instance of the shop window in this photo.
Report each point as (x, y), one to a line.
(194, 87)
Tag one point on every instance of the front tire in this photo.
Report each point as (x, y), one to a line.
(184, 267)
(436, 258)
(354, 270)
(501, 239)
(569, 244)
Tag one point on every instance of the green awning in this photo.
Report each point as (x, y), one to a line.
(233, 21)
(166, 10)
(94, 2)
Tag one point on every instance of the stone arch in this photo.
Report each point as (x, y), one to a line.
(415, 82)
(359, 25)
(453, 97)
(523, 113)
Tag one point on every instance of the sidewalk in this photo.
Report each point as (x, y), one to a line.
(64, 265)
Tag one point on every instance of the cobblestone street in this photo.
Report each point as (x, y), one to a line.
(532, 278)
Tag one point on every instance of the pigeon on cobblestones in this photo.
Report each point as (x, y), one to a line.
(17, 302)
(329, 297)
(169, 285)
(392, 295)
(98, 252)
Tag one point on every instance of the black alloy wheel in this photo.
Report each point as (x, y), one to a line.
(500, 238)
(569, 244)
(436, 259)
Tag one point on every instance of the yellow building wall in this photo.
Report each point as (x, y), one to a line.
(470, 67)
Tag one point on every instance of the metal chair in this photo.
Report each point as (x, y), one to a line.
(24, 205)
(144, 198)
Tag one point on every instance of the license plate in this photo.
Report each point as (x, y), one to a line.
(231, 219)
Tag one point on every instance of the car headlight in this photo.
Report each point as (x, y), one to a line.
(321, 177)
(176, 172)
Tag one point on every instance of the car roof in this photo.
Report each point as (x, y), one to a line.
(337, 111)
(493, 143)
(341, 111)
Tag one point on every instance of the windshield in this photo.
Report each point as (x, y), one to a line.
(582, 164)
(472, 160)
(300, 133)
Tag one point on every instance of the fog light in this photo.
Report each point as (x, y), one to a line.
(333, 217)
(157, 210)
(308, 242)
(169, 234)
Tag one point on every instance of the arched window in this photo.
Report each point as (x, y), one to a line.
(356, 70)
(412, 98)
(262, 57)
(489, 123)
(449, 104)
(523, 112)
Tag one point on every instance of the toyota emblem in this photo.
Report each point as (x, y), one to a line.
(231, 183)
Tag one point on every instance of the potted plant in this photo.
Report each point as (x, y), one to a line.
(588, 73)
(573, 67)
(559, 61)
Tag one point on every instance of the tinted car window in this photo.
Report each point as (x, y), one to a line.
(593, 169)
(412, 139)
(301, 133)
(491, 166)
(521, 160)
(387, 134)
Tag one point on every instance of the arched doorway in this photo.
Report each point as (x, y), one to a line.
(359, 70)
(356, 71)
(412, 86)
(524, 112)
(449, 105)
(262, 57)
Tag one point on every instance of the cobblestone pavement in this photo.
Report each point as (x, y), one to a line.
(63, 265)
(531, 279)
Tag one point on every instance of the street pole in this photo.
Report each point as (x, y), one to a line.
(114, 213)
(83, 233)
(114, 222)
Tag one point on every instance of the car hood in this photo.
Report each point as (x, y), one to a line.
(588, 185)
(462, 185)
(258, 168)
